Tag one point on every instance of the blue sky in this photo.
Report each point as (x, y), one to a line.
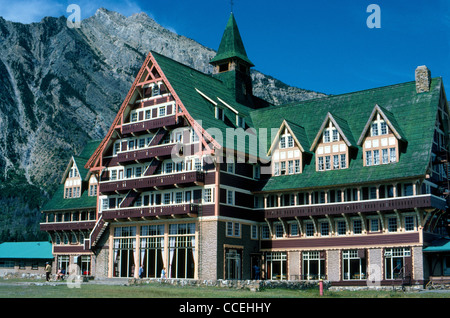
(321, 45)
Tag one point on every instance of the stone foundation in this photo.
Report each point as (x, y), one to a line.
(252, 285)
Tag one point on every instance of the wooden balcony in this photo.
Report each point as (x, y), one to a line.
(426, 201)
(148, 125)
(189, 210)
(143, 155)
(67, 226)
(155, 182)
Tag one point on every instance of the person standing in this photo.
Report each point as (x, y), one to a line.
(48, 271)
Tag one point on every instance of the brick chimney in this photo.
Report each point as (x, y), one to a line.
(423, 79)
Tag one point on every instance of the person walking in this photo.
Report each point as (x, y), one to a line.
(48, 271)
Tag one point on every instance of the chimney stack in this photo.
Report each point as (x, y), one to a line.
(423, 79)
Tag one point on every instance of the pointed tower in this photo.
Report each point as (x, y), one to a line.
(231, 64)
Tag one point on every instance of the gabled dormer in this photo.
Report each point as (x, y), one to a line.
(72, 180)
(332, 144)
(381, 138)
(289, 150)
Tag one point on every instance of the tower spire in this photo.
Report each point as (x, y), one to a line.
(231, 64)
(231, 45)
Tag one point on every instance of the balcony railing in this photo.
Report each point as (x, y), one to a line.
(151, 124)
(153, 211)
(389, 204)
(153, 182)
(67, 226)
(141, 155)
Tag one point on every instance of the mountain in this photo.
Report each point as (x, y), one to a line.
(60, 87)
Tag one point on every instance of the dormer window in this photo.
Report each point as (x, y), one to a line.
(286, 141)
(379, 127)
(330, 134)
(287, 151)
(332, 149)
(380, 138)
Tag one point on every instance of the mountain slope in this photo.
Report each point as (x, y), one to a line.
(60, 87)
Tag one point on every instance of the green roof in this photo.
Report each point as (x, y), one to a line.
(200, 93)
(58, 202)
(415, 116)
(411, 114)
(27, 250)
(231, 45)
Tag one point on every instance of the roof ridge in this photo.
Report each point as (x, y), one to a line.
(296, 103)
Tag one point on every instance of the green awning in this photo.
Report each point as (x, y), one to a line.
(442, 245)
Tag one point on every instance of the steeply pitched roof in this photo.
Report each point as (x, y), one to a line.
(231, 44)
(415, 116)
(342, 127)
(26, 250)
(200, 93)
(58, 202)
(389, 118)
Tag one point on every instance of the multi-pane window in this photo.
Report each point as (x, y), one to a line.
(343, 161)
(335, 162)
(393, 154)
(341, 228)
(309, 229)
(395, 261)
(276, 265)
(265, 232)
(368, 158)
(324, 228)
(276, 169)
(313, 265)
(320, 164)
(254, 232)
(379, 127)
(354, 265)
(207, 195)
(374, 225)
(376, 157)
(392, 224)
(290, 166)
(357, 227)
(409, 223)
(327, 163)
(326, 136)
(297, 166)
(290, 140)
(294, 229)
(279, 230)
(233, 229)
(230, 197)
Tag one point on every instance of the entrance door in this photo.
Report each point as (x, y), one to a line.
(233, 265)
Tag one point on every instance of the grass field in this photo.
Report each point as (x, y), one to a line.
(10, 289)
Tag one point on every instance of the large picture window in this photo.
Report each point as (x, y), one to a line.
(313, 266)
(124, 249)
(181, 250)
(276, 266)
(152, 250)
(395, 262)
(353, 264)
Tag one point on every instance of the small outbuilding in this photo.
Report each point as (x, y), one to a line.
(24, 258)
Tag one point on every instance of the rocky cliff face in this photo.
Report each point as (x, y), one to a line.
(60, 87)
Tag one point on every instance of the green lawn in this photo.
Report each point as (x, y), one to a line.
(155, 290)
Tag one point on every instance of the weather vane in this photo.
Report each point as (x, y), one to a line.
(231, 5)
